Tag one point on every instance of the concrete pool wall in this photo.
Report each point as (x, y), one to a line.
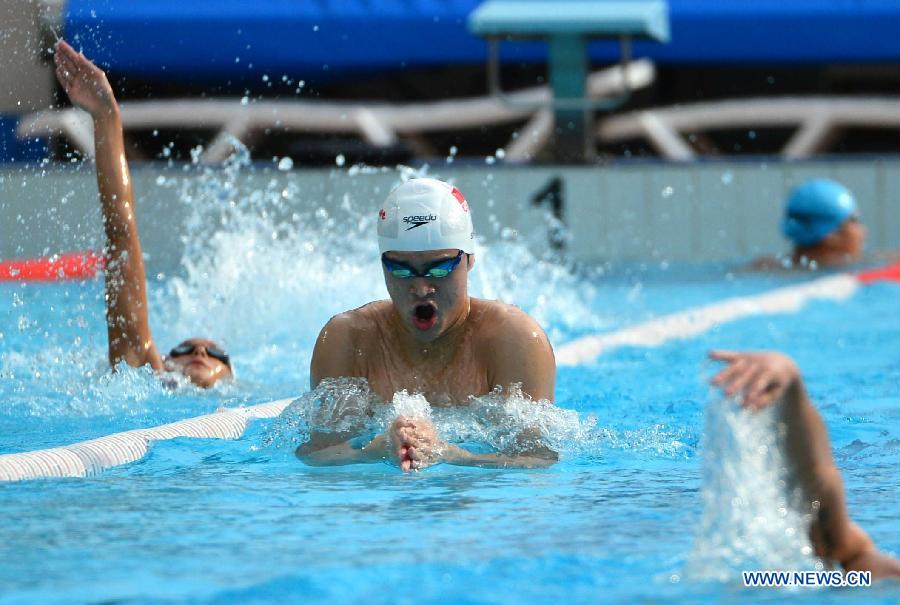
(641, 211)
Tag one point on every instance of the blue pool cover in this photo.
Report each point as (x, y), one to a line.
(317, 39)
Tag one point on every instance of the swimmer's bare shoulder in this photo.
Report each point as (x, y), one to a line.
(344, 342)
(516, 348)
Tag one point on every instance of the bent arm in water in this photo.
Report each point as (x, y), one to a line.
(533, 459)
(833, 533)
(127, 319)
(336, 449)
(413, 444)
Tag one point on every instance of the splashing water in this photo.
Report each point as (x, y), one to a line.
(750, 518)
(265, 269)
(503, 422)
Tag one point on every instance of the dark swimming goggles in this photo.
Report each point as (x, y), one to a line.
(214, 352)
(437, 270)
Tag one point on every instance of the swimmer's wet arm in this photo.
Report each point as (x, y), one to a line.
(127, 319)
(538, 459)
(335, 353)
(334, 449)
(834, 534)
(519, 352)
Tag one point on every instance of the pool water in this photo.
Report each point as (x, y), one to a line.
(618, 519)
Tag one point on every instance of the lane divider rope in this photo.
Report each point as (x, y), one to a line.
(694, 321)
(69, 265)
(88, 458)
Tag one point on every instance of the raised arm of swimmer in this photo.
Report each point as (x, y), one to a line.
(766, 377)
(127, 320)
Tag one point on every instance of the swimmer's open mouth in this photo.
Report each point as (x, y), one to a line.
(424, 312)
(425, 316)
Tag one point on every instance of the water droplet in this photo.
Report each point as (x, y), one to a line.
(340, 160)
(500, 153)
(727, 177)
(285, 164)
(668, 191)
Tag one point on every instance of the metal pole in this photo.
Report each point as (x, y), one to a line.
(573, 131)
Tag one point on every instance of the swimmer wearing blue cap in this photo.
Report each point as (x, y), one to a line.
(430, 337)
(763, 379)
(200, 360)
(822, 221)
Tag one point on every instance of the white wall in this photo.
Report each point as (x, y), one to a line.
(635, 212)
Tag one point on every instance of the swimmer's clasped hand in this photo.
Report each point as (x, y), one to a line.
(415, 444)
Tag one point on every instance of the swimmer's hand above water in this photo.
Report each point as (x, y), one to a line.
(760, 378)
(84, 83)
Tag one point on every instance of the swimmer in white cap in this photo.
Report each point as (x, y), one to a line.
(200, 360)
(431, 337)
(762, 379)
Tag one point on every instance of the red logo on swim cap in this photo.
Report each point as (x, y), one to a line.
(459, 198)
(382, 214)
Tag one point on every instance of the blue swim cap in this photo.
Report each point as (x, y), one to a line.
(815, 209)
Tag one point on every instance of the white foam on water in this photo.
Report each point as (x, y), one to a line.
(751, 519)
(503, 422)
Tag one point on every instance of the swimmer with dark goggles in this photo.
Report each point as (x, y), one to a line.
(202, 361)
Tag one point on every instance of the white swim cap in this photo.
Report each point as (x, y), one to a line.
(425, 214)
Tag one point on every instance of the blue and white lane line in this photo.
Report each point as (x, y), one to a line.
(696, 320)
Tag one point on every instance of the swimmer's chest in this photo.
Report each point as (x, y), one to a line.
(443, 382)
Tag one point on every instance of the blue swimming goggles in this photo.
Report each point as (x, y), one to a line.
(437, 270)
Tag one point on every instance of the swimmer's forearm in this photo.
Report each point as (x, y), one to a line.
(114, 178)
(460, 457)
(127, 318)
(835, 536)
(343, 453)
(809, 448)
